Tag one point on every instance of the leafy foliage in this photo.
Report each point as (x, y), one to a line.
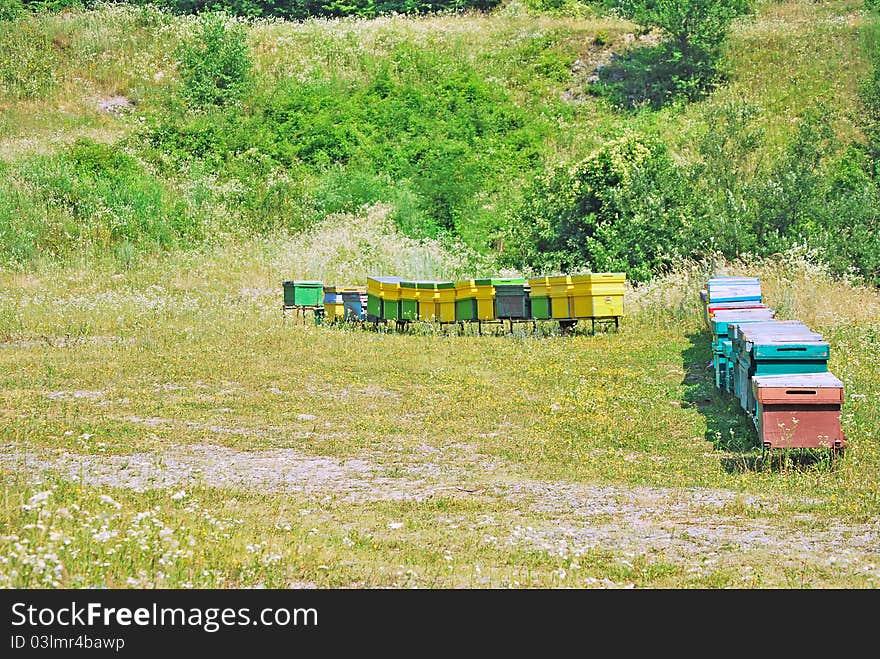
(870, 98)
(684, 64)
(90, 197)
(436, 143)
(617, 210)
(301, 9)
(215, 66)
(10, 9)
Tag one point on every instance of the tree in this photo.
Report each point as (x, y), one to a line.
(696, 28)
(695, 31)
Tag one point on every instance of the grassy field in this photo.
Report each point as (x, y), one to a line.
(162, 425)
(166, 427)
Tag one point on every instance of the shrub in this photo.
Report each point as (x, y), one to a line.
(620, 209)
(301, 9)
(215, 66)
(92, 197)
(684, 65)
(422, 130)
(10, 9)
(870, 101)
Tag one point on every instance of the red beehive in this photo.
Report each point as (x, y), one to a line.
(799, 410)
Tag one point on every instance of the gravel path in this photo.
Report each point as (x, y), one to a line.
(568, 519)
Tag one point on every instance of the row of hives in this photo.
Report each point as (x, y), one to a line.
(777, 369)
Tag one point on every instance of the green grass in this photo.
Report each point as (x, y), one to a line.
(442, 461)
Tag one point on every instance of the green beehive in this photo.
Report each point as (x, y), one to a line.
(466, 309)
(303, 293)
(474, 300)
(391, 309)
(541, 308)
(374, 305)
(539, 292)
(409, 300)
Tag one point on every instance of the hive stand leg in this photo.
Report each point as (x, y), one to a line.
(479, 328)
(836, 454)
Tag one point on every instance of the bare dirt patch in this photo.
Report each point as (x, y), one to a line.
(693, 527)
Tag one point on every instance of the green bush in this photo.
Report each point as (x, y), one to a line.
(870, 101)
(90, 197)
(10, 9)
(422, 129)
(301, 9)
(215, 65)
(621, 209)
(56, 5)
(684, 65)
(845, 218)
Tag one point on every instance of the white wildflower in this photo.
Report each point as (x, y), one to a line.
(103, 535)
(110, 502)
(37, 500)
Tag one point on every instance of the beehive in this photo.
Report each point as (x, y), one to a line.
(383, 297)
(798, 411)
(512, 299)
(597, 295)
(539, 294)
(474, 300)
(301, 293)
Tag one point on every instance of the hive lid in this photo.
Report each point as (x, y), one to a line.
(744, 314)
(773, 326)
(385, 280)
(810, 380)
(722, 280)
(737, 304)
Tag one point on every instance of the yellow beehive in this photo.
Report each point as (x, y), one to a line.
(388, 288)
(333, 312)
(561, 289)
(598, 294)
(480, 290)
(428, 307)
(539, 287)
(446, 304)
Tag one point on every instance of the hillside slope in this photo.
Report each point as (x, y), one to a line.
(447, 119)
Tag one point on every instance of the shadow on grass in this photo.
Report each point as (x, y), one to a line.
(653, 76)
(728, 427)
